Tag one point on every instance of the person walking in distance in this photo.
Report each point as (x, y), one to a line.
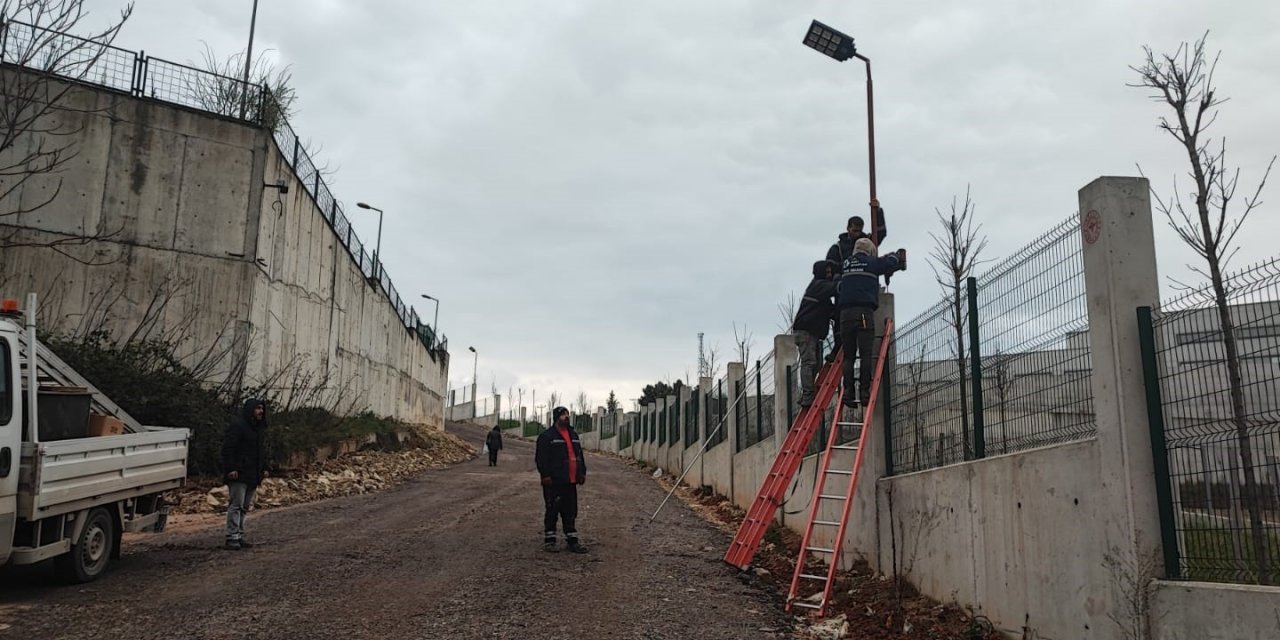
(494, 443)
(562, 468)
(811, 324)
(858, 299)
(243, 467)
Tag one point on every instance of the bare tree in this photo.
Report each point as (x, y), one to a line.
(1184, 82)
(955, 253)
(39, 135)
(787, 311)
(584, 404)
(743, 341)
(268, 97)
(711, 362)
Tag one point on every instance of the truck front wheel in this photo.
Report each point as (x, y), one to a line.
(91, 553)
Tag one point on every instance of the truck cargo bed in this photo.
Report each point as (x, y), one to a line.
(69, 475)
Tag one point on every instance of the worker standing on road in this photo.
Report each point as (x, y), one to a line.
(562, 468)
(243, 467)
(812, 323)
(494, 442)
(859, 296)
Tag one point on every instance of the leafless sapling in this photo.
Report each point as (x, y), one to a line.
(1184, 83)
(955, 253)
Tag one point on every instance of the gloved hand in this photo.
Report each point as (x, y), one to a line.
(902, 259)
(546, 481)
(582, 481)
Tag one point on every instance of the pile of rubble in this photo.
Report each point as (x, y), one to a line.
(352, 474)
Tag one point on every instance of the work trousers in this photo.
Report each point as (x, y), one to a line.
(808, 345)
(858, 333)
(241, 495)
(562, 503)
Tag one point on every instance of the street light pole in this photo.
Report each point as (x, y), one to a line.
(871, 150)
(377, 249)
(435, 324)
(248, 60)
(840, 47)
(474, 379)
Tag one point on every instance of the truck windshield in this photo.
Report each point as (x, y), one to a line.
(6, 384)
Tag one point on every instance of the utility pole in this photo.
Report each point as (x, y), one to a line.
(248, 61)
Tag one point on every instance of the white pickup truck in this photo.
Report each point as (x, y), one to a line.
(71, 499)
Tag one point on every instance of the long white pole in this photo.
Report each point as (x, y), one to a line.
(33, 374)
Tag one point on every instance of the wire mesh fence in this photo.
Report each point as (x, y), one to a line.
(717, 410)
(1033, 358)
(68, 57)
(691, 413)
(1218, 367)
(754, 409)
(626, 431)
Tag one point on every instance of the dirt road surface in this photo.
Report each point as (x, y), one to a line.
(455, 553)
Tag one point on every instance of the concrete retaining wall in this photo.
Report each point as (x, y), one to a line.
(192, 245)
(1204, 611)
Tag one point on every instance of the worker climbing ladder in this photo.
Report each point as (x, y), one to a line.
(835, 464)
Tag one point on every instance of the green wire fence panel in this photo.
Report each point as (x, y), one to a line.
(1220, 404)
(1035, 362)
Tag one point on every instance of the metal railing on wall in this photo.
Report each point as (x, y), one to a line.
(1214, 413)
(1003, 368)
(72, 58)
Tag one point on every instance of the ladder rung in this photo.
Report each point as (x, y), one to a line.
(839, 472)
(848, 424)
(810, 576)
(846, 447)
(801, 603)
(827, 496)
(822, 550)
(827, 523)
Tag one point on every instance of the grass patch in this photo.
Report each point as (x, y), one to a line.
(1208, 553)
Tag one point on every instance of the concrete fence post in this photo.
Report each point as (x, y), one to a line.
(736, 375)
(785, 354)
(1121, 275)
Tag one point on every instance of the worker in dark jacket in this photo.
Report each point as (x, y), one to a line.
(858, 298)
(843, 248)
(494, 443)
(811, 324)
(243, 467)
(563, 468)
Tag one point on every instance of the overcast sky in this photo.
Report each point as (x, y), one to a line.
(586, 185)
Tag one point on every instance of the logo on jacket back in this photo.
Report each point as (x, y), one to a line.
(855, 263)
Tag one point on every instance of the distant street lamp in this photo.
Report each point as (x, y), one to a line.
(839, 46)
(435, 329)
(377, 250)
(474, 362)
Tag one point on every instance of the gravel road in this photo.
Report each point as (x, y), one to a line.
(455, 553)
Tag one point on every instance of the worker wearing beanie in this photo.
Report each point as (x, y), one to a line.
(562, 467)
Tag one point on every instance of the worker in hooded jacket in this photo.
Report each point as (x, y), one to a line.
(812, 323)
(243, 467)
